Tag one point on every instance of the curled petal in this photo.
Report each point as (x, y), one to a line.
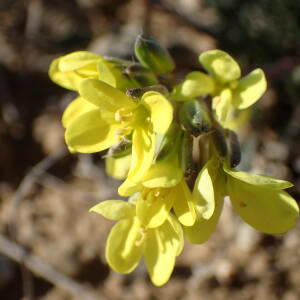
(143, 146)
(78, 60)
(76, 108)
(128, 188)
(124, 246)
(203, 192)
(161, 111)
(91, 132)
(69, 80)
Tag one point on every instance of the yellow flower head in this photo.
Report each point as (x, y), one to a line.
(69, 70)
(103, 115)
(229, 91)
(129, 240)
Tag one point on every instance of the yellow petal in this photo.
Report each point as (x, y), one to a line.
(163, 174)
(222, 104)
(178, 95)
(178, 243)
(143, 146)
(184, 205)
(91, 132)
(202, 229)
(161, 111)
(114, 209)
(197, 84)
(123, 247)
(106, 74)
(160, 252)
(220, 65)
(153, 210)
(69, 80)
(128, 188)
(77, 60)
(203, 192)
(258, 180)
(267, 210)
(117, 167)
(250, 88)
(76, 108)
(103, 95)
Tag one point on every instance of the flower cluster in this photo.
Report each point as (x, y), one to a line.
(173, 144)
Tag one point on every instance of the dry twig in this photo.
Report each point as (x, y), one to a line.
(40, 268)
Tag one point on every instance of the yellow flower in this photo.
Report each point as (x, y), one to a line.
(69, 70)
(102, 116)
(229, 91)
(259, 200)
(129, 240)
(154, 204)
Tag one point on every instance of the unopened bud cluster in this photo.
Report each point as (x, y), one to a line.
(174, 145)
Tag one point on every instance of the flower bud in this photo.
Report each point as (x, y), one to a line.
(234, 155)
(141, 75)
(219, 140)
(170, 142)
(194, 118)
(121, 149)
(187, 162)
(152, 55)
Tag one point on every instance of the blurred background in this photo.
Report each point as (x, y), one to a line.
(51, 248)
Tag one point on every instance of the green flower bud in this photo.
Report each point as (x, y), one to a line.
(141, 75)
(195, 118)
(121, 149)
(170, 142)
(187, 162)
(219, 140)
(234, 153)
(152, 55)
